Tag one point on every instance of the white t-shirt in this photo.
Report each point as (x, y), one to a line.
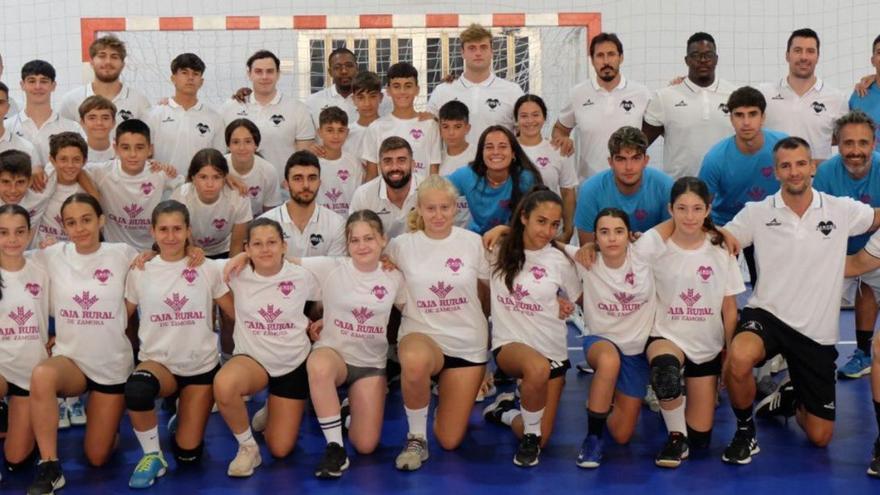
(212, 223)
(595, 114)
(129, 201)
(529, 314)
(324, 235)
(619, 303)
(489, 102)
(282, 122)
(354, 143)
(810, 116)
(12, 141)
(51, 225)
(801, 259)
(691, 287)
(262, 182)
(450, 164)
(22, 126)
(24, 321)
(90, 316)
(356, 309)
(339, 179)
(176, 319)
(441, 290)
(557, 171)
(130, 103)
(270, 325)
(177, 134)
(36, 203)
(374, 196)
(694, 119)
(100, 156)
(422, 135)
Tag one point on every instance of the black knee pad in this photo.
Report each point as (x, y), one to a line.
(666, 377)
(699, 439)
(26, 463)
(187, 456)
(141, 391)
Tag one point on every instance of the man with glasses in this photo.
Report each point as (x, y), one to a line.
(343, 67)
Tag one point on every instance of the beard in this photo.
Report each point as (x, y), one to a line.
(303, 199)
(399, 183)
(605, 76)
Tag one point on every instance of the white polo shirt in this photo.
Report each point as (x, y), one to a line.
(489, 102)
(694, 119)
(801, 259)
(130, 103)
(374, 196)
(810, 116)
(177, 133)
(12, 141)
(595, 114)
(422, 135)
(282, 122)
(262, 183)
(22, 126)
(324, 235)
(330, 97)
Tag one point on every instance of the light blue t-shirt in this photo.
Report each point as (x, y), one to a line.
(832, 178)
(489, 206)
(870, 104)
(735, 178)
(646, 208)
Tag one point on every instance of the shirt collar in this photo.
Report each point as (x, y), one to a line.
(285, 214)
(383, 188)
(278, 95)
(6, 137)
(23, 117)
(815, 203)
(817, 86)
(469, 84)
(620, 85)
(173, 104)
(697, 88)
(122, 94)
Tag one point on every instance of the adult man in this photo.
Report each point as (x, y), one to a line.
(798, 231)
(801, 104)
(393, 194)
(596, 108)
(107, 55)
(855, 173)
(342, 68)
(866, 96)
(489, 98)
(691, 116)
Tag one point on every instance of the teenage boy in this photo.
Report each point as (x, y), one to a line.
(341, 173)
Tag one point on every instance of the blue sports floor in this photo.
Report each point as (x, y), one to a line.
(482, 465)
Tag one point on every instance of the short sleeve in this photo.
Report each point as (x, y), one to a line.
(484, 270)
(370, 145)
(569, 279)
(649, 246)
(567, 175)
(861, 216)
(587, 208)
(243, 212)
(305, 128)
(741, 227)
(320, 266)
(654, 114)
(735, 284)
(566, 115)
(435, 154)
(400, 295)
(131, 281)
(218, 142)
(218, 287)
(710, 172)
(873, 245)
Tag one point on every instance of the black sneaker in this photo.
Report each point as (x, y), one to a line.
(502, 403)
(392, 372)
(49, 478)
(741, 449)
(779, 403)
(528, 451)
(334, 462)
(501, 378)
(874, 467)
(675, 451)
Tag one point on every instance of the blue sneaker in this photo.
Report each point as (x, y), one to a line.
(77, 413)
(172, 424)
(590, 455)
(150, 467)
(859, 365)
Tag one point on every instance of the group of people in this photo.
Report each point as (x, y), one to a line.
(332, 242)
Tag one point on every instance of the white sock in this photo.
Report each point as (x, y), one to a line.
(417, 419)
(674, 418)
(149, 440)
(532, 421)
(246, 437)
(507, 417)
(331, 426)
(72, 400)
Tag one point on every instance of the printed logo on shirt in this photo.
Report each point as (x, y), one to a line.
(270, 313)
(362, 314)
(492, 103)
(752, 325)
(681, 103)
(85, 317)
(206, 241)
(641, 214)
(179, 317)
(705, 272)
(773, 223)
(627, 105)
(124, 114)
(34, 288)
(286, 287)
(778, 96)
(379, 291)
(85, 300)
(865, 198)
(829, 405)
(538, 272)
(519, 292)
(277, 119)
(543, 161)
(623, 307)
(454, 264)
(690, 297)
(417, 133)
(441, 289)
(20, 316)
(724, 108)
(147, 188)
(630, 278)
(102, 275)
(176, 301)
(133, 210)
(756, 193)
(168, 119)
(825, 227)
(316, 239)
(333, 194)
(343, 175)
(514, 302)
(254, 191)
(690, 312)
(190, 275)
(203, 128)
(268, 327)
(767, 171)
(219, 223)
(818, 107)
(623, 297)
(587, 103)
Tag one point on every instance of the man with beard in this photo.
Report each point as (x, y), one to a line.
(342, 68)
(393, 194)
(853, 173)
(309, 228)
(692, 115)
(798, 231)
(801, 104)
(107, 55)
(597, 108)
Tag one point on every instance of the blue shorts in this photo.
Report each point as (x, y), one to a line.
(634, 372)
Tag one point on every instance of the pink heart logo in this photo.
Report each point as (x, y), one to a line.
(102, 274)
(539, 272)
(416, 133)
(766, 171)
(254, 191)
(33, 288)
(705, 272)
(543, 161)
(219, 223)
(147, 188)
(343, 175)
(189, 274)
(454, 264)
(286, 287)
(641, 214)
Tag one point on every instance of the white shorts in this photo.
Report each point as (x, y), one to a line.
(851, 285)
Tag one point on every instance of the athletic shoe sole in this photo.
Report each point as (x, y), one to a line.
(587, 464)
(159, 474)
(873, 473)
(670, 463)
(742, 462)
(866, 371)
(332, 475)
(524, 464)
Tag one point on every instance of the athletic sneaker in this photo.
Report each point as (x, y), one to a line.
(501, 378)
(414, 453)
(651, 400)
(576, 318)
(858, 365)
(258, 422)
(49, 478)
(77, 413)
(502, 403)
(590, 455)
(778, 364)
(675, 451)
(743, 446)
(63, 415)
(150, 467)
(528, 451)
(172, 424)
(584, 367)
(246, 460)
(345, 415)
(779, 403)
(334, 462)
(766, 386)
(874, 467)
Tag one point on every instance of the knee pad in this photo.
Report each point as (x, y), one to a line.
(26, 463)
(666, 377)
(141, 391)
(187, 456)
(699, 439)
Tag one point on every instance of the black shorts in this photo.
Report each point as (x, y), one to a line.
(812, 366)
(206, 378)
(557, 368)
(452, 362)
(221, 256)
(13, 389)
(692, 369)
(293, 385)
(114, 389)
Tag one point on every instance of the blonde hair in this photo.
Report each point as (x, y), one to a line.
(474, 32)
(414, 220)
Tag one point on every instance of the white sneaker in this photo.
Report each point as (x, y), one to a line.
(414, 453)
(63, 415)
(246, 460)
(778, 364)
(77, 412)
(261, 417)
